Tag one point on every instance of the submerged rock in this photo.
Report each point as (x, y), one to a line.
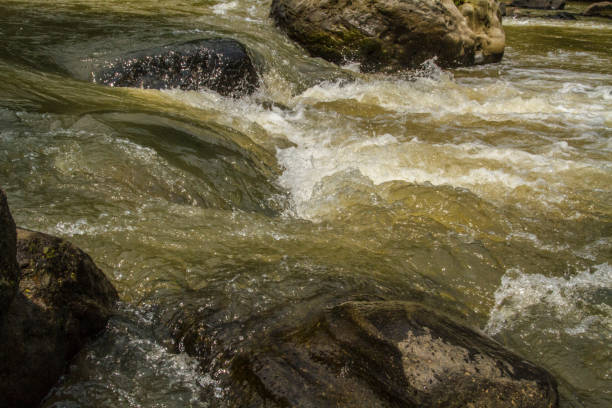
(220, 64)
(386, 354)
(9, 272)
(391, 35)
(63, 301)
(602, 9)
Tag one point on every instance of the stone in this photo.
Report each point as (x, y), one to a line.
(562, 15)
(390, 35)
(539, 4)
(602, 9)
(220, 64)
(9, 272)
(386, 354)
(64, 300)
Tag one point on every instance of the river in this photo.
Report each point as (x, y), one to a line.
(484, 191)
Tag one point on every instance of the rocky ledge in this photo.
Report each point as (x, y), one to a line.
(62, 301)
(395, 34)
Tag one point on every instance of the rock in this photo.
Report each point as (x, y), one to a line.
(539, 4)
(63, 301)
(220, 64)
(602, 9)
(9, 272)
(386, 354)
(562, 15)
(387, 35)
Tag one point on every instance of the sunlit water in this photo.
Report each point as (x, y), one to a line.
(484, 191)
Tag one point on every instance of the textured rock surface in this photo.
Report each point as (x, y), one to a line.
(222, 65)
(356, 354)
(602, 9)
(540, 4)
(63, 300)
(9, 273)
(390, 354)
(392, 34)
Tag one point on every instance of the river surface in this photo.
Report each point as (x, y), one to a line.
(485, 191)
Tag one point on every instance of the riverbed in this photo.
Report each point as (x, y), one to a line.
(485, 192)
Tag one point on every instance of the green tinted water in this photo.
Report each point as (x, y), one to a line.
(483, 191)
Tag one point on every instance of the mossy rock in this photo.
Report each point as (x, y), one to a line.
(394, 35)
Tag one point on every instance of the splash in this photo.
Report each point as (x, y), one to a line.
(577, 303)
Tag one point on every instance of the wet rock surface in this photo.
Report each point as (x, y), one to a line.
(602, 9)
(539, 4)
(220, 64)
(392, 35)
(365, 353)
(9, 273)
(63, 301)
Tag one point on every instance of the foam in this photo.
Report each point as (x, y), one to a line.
(324, 146)
(586, 24)
(222, 8)
(563, 298)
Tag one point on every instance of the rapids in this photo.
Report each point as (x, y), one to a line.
(483, 191)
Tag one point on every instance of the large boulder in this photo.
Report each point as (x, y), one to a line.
(539, 4)
(355, 354)
(389, 354)
(63, 301)
(387, 35)
(9, 272)
(382, 354)
(602, 9)
(220, 64)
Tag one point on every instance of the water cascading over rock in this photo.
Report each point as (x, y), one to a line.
(220, 64)
(391, 35)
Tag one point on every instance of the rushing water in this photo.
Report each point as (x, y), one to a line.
(487, 190)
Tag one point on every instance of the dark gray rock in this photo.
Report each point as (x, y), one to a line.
(539, 4)
(394, 35)
(355, 354)
(9, 272)
(223, 65)
(562, 15)
(63, 301)
(602, 9)
(388, 354)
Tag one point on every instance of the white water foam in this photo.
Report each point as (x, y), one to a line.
(581, 24)
(222, 8)
(562, 298)
(324, 146)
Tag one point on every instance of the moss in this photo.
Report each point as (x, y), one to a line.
(458, 2)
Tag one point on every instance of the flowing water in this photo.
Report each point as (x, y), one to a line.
(485, 191)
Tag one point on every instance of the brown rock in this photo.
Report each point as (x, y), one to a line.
(63, 301)
(387, 35)
(602, 9)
